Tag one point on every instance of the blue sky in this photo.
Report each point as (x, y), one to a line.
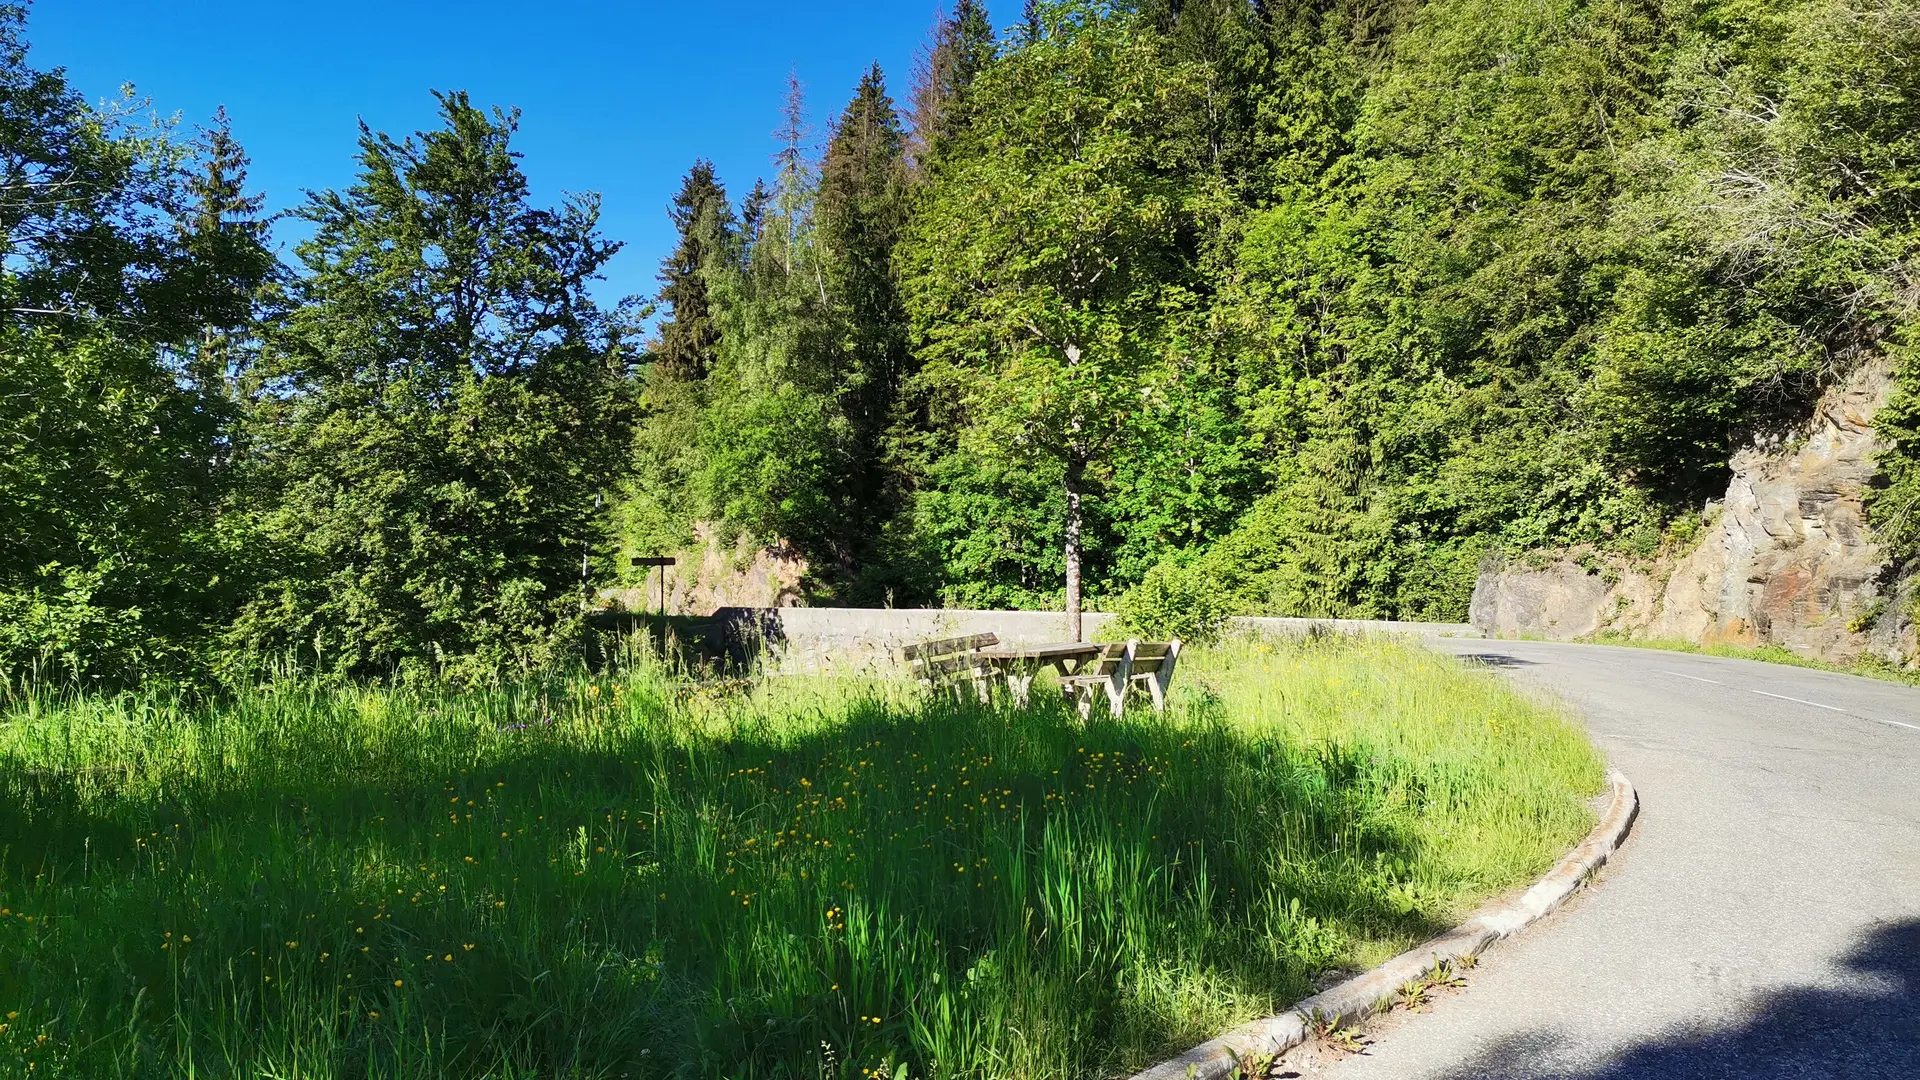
(618, 98)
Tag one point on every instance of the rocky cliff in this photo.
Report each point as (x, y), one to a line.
(1785, 559)
(715, 574)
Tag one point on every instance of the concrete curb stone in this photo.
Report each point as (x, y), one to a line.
(1363, 995)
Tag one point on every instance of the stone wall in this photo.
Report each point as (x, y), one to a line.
(1785, 559)
(867, 640)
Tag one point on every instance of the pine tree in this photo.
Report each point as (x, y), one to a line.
(223, 225)
(1228, 42)
(793, 175)
(224, 245)
(861, 212)
(961, 48)
(753, 217)
(1033, 25)
(688, 339)
(759, 446)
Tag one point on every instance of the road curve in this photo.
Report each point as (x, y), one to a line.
(1762, 921)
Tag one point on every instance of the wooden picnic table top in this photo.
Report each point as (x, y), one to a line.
(1064, 650)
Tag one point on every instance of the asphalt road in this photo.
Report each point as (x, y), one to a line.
(1763, 920)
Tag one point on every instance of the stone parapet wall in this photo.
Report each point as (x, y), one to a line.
(867, 640)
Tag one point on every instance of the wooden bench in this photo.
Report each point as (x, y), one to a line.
(1152, 668)
(1106, 673)
(948, 662)
(1120, 667)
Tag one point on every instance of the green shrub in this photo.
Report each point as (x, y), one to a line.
(1175, 601)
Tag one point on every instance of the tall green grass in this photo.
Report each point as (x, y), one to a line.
(644, 875)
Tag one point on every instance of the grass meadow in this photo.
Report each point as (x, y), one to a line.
(642, 874)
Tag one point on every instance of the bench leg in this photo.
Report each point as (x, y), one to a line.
(1021, 686)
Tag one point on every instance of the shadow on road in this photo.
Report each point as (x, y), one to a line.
(1502, 660)
(1865, 1031)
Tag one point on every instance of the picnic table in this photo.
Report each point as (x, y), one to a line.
(1020, 664)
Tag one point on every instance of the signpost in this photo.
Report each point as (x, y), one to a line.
(661, 562)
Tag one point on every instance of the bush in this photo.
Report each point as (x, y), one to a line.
(1175, 601)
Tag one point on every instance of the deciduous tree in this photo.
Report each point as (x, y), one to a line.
(1042, 259)
(443, 404)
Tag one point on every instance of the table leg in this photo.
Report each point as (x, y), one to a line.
(1065, 666)
(1021, 683)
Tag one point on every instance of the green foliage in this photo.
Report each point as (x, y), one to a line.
(130, 254)
(439, 410)
(783, 437)
(1332, 301)
(114, 561)
(1048, 249)
(571, 876)
(704, 218)
(862, 209)
(1323, 303)
(1175, 601)
(943, 108)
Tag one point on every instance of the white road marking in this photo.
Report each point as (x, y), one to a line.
(1802, 701)
(1798, 701)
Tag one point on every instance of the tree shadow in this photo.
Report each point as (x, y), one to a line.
(272, 860)
(706, 645)
(1866, 1030)
(1498, 660)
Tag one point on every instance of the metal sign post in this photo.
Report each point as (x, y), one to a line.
(662, 562)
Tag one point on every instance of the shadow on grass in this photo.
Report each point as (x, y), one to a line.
(1866, 1029)
(586, 883)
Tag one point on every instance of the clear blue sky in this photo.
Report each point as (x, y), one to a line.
(618, 98)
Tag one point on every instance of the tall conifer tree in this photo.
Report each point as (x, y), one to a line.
(861, 212)
(961, 48)
(1032, 23)
(224, 239)
(689, 338)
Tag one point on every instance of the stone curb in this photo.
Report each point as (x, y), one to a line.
(1364, 995)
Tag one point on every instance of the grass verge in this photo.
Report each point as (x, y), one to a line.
(1867, 666)
(642, 875)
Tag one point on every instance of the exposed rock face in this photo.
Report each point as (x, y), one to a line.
(717, 575)
(1786, 559)
(1562, 600)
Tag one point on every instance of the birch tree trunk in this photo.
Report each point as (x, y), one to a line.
(1075, 484)
(1076, 478)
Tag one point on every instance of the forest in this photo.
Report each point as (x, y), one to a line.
(1297, 307)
